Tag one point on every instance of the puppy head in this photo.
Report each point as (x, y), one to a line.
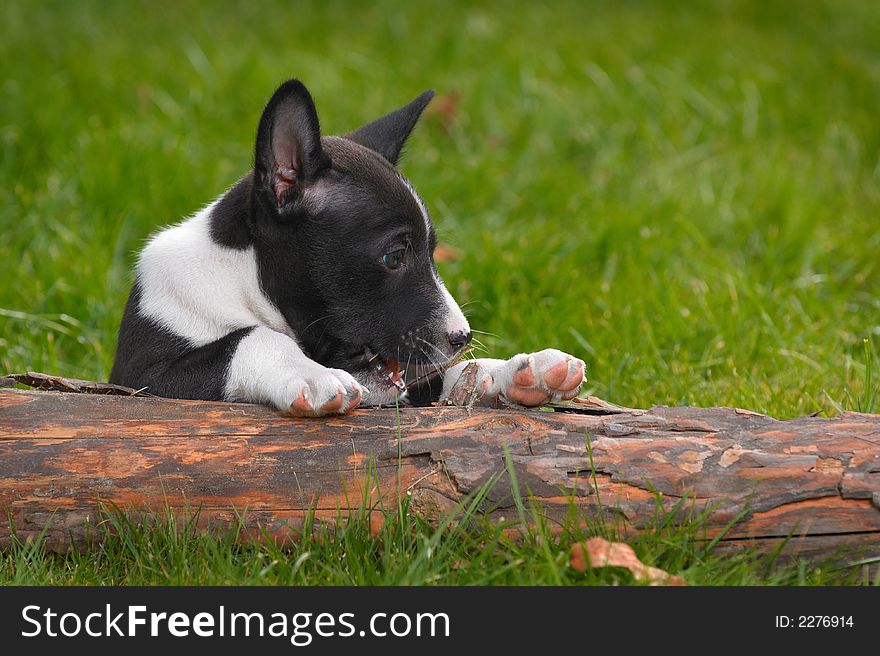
(345, 245)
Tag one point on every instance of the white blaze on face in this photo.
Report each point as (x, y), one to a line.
(420, 203)
(455, 319)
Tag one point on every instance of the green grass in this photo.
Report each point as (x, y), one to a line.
(462, 550)
(686, 194)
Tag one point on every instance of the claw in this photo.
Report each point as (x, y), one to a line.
(301, 405)
(575, 379)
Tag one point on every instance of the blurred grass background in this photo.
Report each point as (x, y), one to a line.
(685, 194)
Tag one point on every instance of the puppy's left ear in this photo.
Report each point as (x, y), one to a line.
(288, 153)
(387, 135)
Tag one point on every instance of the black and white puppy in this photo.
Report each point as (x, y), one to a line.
(310, 285)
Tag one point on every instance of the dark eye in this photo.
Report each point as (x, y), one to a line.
(394, 259)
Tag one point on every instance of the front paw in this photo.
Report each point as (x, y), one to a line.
(316, 391)
(537, 378)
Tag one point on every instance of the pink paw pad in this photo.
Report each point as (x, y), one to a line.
(525, 377)
(576, 379)
(333, 404)
(556, 375)
(527, 396)
(301, 405)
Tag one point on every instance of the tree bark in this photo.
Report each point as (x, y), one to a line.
(811, 483)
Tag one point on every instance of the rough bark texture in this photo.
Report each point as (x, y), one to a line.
(61, 454)
(59, 384)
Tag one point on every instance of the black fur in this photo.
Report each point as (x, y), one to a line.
(150, 357)
(344, 299)
(387, 135)
(320, 214)
(227, 227)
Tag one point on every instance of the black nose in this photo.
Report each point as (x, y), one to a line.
(459, 338)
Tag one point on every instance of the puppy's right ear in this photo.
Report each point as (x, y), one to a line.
(288, 154)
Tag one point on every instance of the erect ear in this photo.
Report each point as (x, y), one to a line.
(288, 152)
(387, 135)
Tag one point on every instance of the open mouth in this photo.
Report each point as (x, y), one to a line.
(388, 369)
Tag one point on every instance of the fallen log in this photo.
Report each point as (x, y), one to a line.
(811, 484)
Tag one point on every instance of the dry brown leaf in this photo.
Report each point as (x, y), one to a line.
(446, 253)
(445, 109)
(599, 552)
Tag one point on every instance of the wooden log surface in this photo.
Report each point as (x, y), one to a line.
(811, 483)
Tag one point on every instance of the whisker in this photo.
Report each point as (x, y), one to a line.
(434, 363)
(469, 354)
(316, 321)
(442, 354)
(438, 368)
(479, 345)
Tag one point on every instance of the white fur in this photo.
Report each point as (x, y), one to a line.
(455, 319)
(495, 378)
(200, 290)
(422, 208)
(269, 367)
(489, 367)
